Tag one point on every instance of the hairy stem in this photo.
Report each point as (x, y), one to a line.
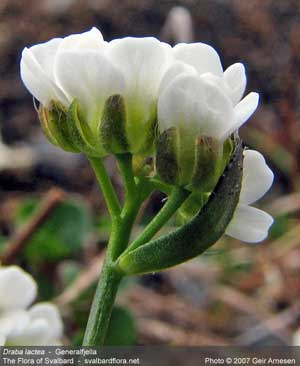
(102, 306)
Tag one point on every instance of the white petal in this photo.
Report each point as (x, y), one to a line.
(44, 54)
(2, 340)
(38, 64)
(243, 110)
(200, 55)
(17, 288)
(177, 68)
(88, 76)
(13, 323)
(91, 39)
(143, 62)
(218, 82)
(249, 224)
(49, 313)
(246, 107)
(196, 106)
(235, 78)
(257, 177)
(38, 81)
(35, 334)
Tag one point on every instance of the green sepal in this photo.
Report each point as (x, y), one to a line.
(112, 129)
(206, 182)
(55, 126)
(196, 236)
(141, 127)
(166, 156)
(46, 125)
(151, 134)
(195, 163)
(80, 133)
(207, 165)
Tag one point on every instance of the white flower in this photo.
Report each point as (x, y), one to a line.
(21, 325)
(199, 107)
(250, 224)
(197, 96)
(189, 78)
(72, 67)
(85, 67)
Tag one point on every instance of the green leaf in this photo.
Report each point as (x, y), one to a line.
(280, 227)
(62, 235)
(198, 234)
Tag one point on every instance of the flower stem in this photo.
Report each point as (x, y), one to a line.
(122, 222)
(109, 193)
(132, 203)
(109, 281)
(101, 310)
(175, 200)
(125, 167)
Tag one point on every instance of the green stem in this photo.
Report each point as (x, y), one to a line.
(131, 205)
(109, 281)
(161, 186)
(102, 306)
(125, 166)
(122, 222)
(124, 228)
(109, 193)
(175, 200)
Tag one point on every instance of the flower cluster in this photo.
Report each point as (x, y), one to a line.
(183, 86)
(21, 325)
(145, 97)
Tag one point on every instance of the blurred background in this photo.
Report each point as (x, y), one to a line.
(53, 221)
